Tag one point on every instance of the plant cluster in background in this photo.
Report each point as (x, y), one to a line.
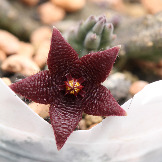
(92, 35)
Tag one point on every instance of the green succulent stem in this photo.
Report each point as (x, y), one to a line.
(92, 35)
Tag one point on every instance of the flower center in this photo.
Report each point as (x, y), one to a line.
(73, 86)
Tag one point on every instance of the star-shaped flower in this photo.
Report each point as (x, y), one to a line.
(72, 85)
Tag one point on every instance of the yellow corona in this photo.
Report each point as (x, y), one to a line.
(72, 87)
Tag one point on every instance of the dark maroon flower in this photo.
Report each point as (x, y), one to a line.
(71, 86)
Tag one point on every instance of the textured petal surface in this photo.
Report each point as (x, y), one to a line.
(48, 87)
(38, 87)
(97, 66)
(99, 101)
(64, 120)
(61, 54)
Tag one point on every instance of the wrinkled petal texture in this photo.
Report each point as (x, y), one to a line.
(66, 110)
(61, 55)
(100, 102)
(64, 120)
(38, 88)
(96, 67)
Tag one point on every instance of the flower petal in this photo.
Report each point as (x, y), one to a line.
(64, 120)
(38, 87)
(61, 54)
(101, 103)
(96, 66)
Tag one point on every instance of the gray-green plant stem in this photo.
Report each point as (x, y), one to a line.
(141, 38)
(92, 35)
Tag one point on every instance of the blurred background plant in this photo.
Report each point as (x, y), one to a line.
(94, 34)
(88, 25)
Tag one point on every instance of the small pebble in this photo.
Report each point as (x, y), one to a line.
(6, 80)
(30, 2)
(41, 54)
(70, 5)
(135, 10)
(41, 109)
(153, 6)
(26, 49)
(8, 42)
(116, 4)
(20, 64)
(82, 124)
(40, 34)
(50, 13)
(92, 126)
(2, 56)
(90, 119)
(137, 86)
(118, 84)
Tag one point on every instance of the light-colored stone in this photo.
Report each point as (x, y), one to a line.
(151, 67)
(90, 119)
(153, 6)
(41, 34)
(41, 109)
(41, 54)
(116, 4)
(70, 5)
(82, 124)
(26, 49)
(118, 84)
(8, 43)
(132, 9)
(135, 10)
(92, 126)
(30, 2)
(20, 64)
(2, 56)
(50, 13)
(6, 80)
(137, 86)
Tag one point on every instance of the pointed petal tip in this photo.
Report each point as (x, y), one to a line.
(119, 46)
(59, 147)
(55, 29)
(116, 49)
(120, 113)
(11, 85)
(123, 112)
